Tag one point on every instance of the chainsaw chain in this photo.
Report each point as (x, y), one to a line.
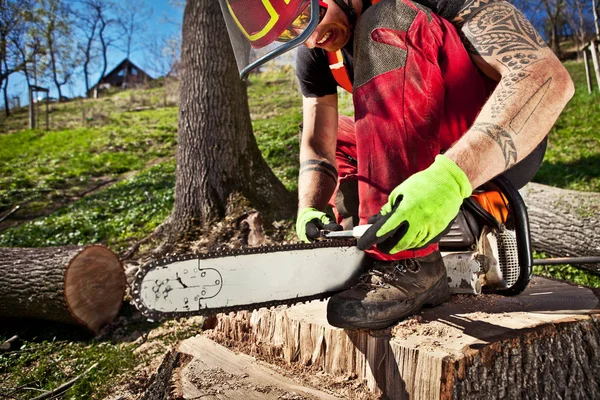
(160, 315)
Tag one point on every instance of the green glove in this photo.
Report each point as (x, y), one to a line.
(309, 223)
(418, 209)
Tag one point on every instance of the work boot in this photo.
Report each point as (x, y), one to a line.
(389, 292)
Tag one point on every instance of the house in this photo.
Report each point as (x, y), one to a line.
(124, 75)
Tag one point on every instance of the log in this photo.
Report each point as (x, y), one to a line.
(544, 343)
(564, 223)
(74, 284)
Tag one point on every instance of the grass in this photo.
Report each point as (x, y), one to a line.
(276, 111)
(113, 137)
(39, 366)
(568, 273)
(49, 355)
(115, 216)
(573, 157)
(39, 168)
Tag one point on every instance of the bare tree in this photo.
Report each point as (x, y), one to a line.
(15, 17)
(55, 27)
(88, 22)
(555, 13)
(579, 20)
(101, 11)
(5, 88)
(164, 52)
(132, 21)
(217, 155)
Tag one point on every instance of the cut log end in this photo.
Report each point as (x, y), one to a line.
(94, 286)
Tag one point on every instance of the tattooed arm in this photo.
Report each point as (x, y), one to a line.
(533, 88)
(318, 173)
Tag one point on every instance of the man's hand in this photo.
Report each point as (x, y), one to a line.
(311, 221)
(418, 209)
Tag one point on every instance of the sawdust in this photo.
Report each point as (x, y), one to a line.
(216, 381)
(417, 326)
(428, 324)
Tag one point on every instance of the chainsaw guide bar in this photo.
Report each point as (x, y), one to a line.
(245, 279)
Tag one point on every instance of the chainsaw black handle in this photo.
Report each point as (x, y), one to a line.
(518, 209)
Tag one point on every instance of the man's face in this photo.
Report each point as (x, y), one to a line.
(334, 31)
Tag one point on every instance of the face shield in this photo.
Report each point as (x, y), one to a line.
(261, 30)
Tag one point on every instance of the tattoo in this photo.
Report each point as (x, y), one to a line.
(525, 113)
(503, 139)
(469, 9)
(508, 86)
(319, 166)
(499, 28)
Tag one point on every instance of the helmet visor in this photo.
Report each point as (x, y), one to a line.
(260, 30)
(301, 22)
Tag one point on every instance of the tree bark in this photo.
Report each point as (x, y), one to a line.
(542, 344)
(217, 154)
(564, 223)
(74, 284)
(5, 94)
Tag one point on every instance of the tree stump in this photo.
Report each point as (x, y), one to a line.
(74, 284)
(564, 223)
(544, 343)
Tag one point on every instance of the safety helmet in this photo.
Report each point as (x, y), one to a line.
(261, 30)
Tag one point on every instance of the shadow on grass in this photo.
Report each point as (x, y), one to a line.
(577, 175)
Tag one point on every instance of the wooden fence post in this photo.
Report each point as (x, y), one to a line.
(594, 50)
(588, 75)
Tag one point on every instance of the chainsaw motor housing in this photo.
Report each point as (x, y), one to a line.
(487, 247)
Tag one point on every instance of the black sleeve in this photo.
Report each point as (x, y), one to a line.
(314, 76)
(447, 9)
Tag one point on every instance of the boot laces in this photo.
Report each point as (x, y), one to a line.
(382, 275)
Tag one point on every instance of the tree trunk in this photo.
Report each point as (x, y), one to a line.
(103, 47)
(5, 83)
(5, 94)
(564, 223)
(217, 153)
(74, 284)
(543, 344)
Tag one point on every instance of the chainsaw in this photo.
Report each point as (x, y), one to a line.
(486, 249)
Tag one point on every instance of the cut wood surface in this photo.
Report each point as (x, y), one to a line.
(564, 223)
(214, 372)
(73, 284)
(544, 343)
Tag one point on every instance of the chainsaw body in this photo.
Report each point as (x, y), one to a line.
(487, 248)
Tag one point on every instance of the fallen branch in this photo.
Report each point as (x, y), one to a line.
(11, 212)
(8, 343)
(62, 388)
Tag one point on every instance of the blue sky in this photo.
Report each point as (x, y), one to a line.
(165, 21)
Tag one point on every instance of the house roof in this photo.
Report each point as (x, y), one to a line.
(119, 67)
